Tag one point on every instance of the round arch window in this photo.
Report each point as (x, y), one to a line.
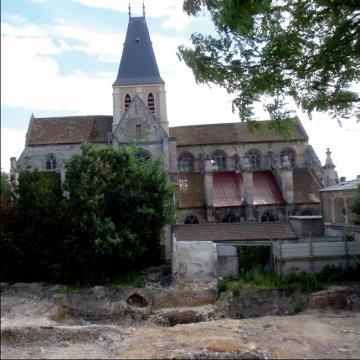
(267, 216)
(228, 218)
(191, 219)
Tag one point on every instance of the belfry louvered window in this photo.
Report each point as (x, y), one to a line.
(151, 103)
(127, 101)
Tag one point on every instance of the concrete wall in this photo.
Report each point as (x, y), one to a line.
(194, 261)
(227, 260)
(303, 225)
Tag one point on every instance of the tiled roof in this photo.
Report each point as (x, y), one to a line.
(228, 189)
(234, 231)
(138, 64)
(266, 190)
(306, 187)
(70, 129)
(228, 133)
(346, 185)
(191, 190)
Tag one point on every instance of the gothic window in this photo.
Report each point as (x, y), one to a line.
(254, 158)
(51, 162)
(143, 155)
(138, 131)
(127, 101)
(151, 103)
(267, 216)
(191, 219)
(230, 217)
(291, 155)
(218, 160)
(186, 162)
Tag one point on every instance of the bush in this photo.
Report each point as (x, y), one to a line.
(250, 256)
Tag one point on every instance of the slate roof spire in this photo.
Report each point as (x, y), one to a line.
(138, 63)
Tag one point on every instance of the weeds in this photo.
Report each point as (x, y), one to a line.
(262, 280)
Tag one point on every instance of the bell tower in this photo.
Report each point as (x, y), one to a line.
(139, 74)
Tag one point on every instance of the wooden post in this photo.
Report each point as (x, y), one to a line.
(311, 253)
(271, 254)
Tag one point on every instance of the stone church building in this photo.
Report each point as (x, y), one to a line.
(224, 173)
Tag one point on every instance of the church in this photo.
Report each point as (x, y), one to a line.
(223, 172)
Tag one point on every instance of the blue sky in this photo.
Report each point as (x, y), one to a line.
(60, 57)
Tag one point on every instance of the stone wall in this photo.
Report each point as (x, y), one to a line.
(194, 261)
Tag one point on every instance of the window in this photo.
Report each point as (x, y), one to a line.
(228, 218)
(186, 162)
(151, 103)
(267, 216)
(127, 101)
(51, 162)
(138, 131)
(218, 160)
(290, 153)
(191, 219)
(254, 158)
(143, 155)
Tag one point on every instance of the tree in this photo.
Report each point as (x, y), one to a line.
(31, 246)
(307, 50)
(118, 205)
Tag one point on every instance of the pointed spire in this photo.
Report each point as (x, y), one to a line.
(143, 9)
(129, 10)
(328, 161)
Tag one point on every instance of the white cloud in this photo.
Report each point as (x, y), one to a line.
(12, 144)
(172, 9)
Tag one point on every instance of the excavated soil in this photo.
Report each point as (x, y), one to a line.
(30, 331)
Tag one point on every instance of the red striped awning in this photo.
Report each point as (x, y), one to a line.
(228, 189)
(266, 190)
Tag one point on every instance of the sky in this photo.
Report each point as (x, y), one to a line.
(60, 58)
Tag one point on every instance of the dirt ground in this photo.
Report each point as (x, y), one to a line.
(28, 332)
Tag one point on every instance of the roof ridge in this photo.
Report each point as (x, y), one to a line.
(70, 117)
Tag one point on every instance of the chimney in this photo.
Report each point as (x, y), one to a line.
(342, 179)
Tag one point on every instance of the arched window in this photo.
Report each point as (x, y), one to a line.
(191, 219)
(218, 160)
(230, 217)
(151, 102)
(144, 155)
(254, 158)
(267, 216)
(291, 154)
(186, 162)
(127, 101)
(51, 162)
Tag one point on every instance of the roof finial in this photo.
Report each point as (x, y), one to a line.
(143, 9)
(129, 10)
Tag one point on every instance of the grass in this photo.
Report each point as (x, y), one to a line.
(265, 280)
(259, 279)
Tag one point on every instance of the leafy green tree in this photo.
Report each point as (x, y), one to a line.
(305, 50)
(5, 186)
(118, 205)
(31, 247)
